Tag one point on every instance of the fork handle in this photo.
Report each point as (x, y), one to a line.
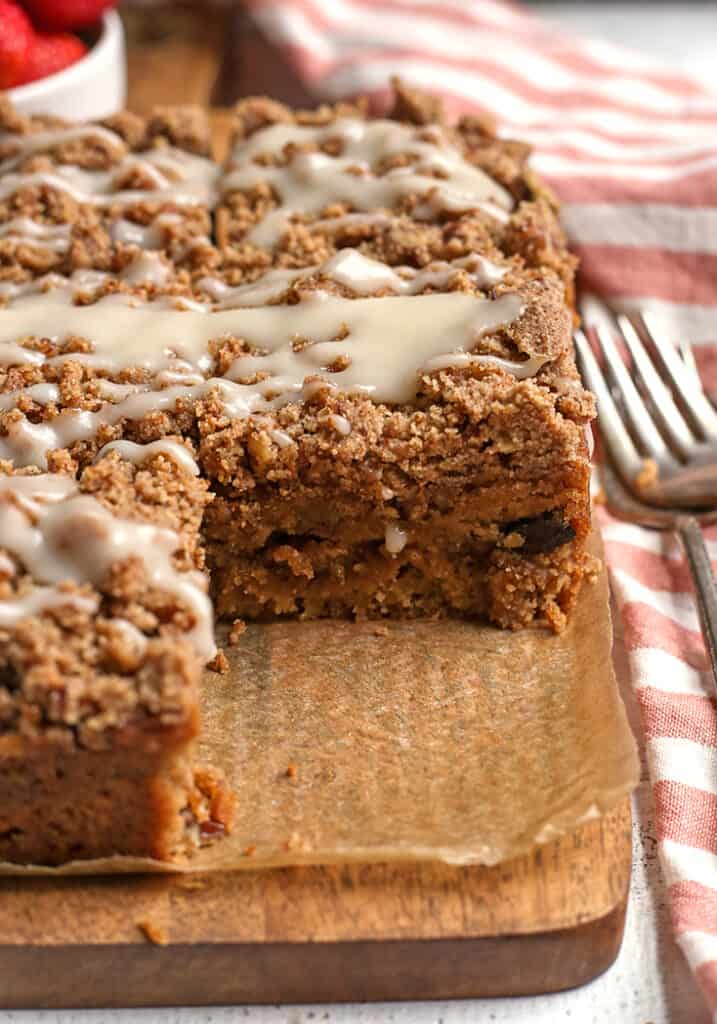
(689, 532)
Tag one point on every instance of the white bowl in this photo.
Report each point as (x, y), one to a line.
(94, 87)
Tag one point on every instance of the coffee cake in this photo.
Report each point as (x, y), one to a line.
(333, 376)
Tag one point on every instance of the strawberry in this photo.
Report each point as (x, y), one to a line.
(16, 35)
(66, 15)
(49, 53)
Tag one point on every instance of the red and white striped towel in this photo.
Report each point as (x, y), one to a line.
(631, 149)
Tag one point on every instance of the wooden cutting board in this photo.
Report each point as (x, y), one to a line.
(545, 922)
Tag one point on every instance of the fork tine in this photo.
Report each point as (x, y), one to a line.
(644, 426)
(617, 439)
(681, 378)
(594, 313)
(674, 425)
(688, 358)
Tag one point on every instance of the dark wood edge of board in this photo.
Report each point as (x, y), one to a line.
(134, 975)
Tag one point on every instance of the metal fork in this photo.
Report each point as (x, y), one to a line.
(660, 432)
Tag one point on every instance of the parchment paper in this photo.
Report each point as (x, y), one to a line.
(436, 740)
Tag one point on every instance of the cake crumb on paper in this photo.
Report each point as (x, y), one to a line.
(155, 933)
(219, 663)
(237, 630)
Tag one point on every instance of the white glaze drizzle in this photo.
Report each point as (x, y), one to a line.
(54, 237)
(43, 393)
(367, 276)
(362, 274)
(390, 344)
(340, 424)
(269, 287)
(311, 181)
(131, 635)
(396, 539)
(139, 453)
(60, 535)
(280, 438)
(146, 236)
(12, 354)
(28, 492)
(148, 268)
(39, 142)
(193, 180)
(38, 600)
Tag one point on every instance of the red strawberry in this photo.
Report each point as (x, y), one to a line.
(16, 34)
(51, 52)
(64, 15)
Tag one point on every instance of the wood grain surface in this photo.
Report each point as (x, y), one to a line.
(173, 57)
(203, 55)
(544, 922)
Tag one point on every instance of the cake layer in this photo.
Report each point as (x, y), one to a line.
(308, 577)
(142, 797)
(455, 477)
